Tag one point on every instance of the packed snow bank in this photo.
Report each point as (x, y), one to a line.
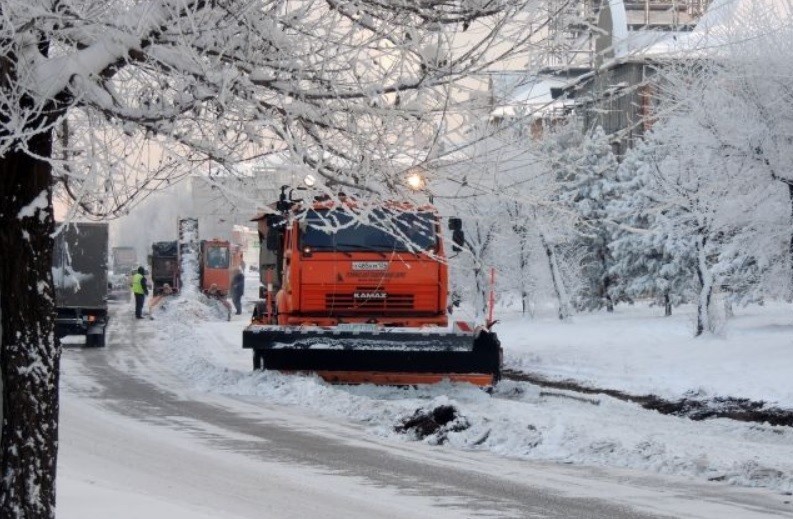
(627, 349)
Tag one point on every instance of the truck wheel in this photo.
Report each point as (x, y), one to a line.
(95, 340)
(258, 360)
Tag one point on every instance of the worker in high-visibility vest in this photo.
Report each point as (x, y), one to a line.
(140, 289)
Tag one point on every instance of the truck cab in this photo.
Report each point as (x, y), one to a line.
(383, 266)
(215, 266)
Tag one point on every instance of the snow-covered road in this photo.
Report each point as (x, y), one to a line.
(169, 421)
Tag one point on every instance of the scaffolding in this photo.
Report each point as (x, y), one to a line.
(665, 15)
(574, 26)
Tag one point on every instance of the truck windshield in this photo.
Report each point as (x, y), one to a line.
(333, 229)
(217, 257)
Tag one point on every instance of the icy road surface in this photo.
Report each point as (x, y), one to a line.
(167, 421)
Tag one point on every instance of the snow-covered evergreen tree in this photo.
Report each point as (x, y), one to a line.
(585, 166)
(647, 261)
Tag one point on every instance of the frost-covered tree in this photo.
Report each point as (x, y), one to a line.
(472, 196)
(584, 166)
(539, 188)
(520, 218)
(586, 178)
(481, 233)
(538, 232)
(751, 78)
(647, 261)
(110, 99)
(563, 258)
(703, 201)
(720, 154)
(508, 196)
(507, 162)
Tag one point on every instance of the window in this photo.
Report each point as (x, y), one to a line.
(217, 257)
(338, 230)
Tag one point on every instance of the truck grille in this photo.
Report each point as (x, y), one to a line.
(349, 301)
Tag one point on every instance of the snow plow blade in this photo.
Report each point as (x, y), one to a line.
(386, 357)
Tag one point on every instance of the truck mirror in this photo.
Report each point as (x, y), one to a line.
(458, 240)
(455, 224)
(273, 239)
(274, 220)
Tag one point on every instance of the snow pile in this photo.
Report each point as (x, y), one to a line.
(517, 420)
(188, 257)
(182, 311)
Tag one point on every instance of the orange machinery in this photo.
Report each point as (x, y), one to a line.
(215, 266)
(219, 260)
(357, 293)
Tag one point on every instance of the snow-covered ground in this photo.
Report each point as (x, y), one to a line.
(634, 349)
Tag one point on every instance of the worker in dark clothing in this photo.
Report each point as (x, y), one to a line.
(237, 289)
(141, 290)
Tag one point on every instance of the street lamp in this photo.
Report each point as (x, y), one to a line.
(416, 181)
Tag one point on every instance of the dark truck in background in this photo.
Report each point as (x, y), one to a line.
(79, 269)
(164, 266)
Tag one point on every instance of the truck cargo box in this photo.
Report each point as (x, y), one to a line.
(80, 266)
(79, 269)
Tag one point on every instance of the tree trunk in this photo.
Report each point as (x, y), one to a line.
(524, 275)
(729, 312)
(29, 351)
(558, 289)
(480, 304)
(605, 283)
(705, 290)
(790, 245)
(667, 305)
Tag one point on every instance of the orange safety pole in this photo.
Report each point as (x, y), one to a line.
(492, 298)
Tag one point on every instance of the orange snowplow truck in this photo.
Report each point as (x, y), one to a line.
(358, 294)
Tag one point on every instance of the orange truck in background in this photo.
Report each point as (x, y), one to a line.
(217, 264)
(217, 260)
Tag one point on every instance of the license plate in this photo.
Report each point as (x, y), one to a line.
(356, 327)
(370, 265)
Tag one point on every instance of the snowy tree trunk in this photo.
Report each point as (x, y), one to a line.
(29, 352)
(705, 291)
(667, 305)
(790, 245)
(480, 248)
(729, 313)
(789, 184)
(480, 304)
(606, 281)
(524, 275)
(564, 310)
